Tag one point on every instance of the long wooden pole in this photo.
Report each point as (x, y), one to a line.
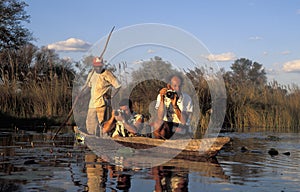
(83, 89)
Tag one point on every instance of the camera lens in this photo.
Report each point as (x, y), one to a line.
(117, 113)
(170, 94)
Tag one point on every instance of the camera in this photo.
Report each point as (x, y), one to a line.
(171, 94)
(119, 112)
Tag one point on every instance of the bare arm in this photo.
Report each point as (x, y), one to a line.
(110, 124)
(112, 79)
(182, 116)
(161, 111)
(161, 107)
(130, 127)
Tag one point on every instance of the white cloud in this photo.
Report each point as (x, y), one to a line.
(256, 38)
(221, 57)
(70, 45)
(285, 52)
(292, 66)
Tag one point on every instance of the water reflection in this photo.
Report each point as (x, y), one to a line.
(170, 176)
(168, 179)
(96, 173)
(102, 175)
(256, 167)
(121, 176)
(30, 161)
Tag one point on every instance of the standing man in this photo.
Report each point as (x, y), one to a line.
(100, 83)
(174, 109)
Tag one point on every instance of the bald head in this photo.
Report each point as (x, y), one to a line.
(176, 83)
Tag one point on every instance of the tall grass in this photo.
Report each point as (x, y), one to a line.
(268, 107)
(36, 96)
(271, 107)
(250, 105)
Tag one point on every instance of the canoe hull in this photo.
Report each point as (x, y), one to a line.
(148, 151)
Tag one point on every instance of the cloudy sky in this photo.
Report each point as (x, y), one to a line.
(263, 31)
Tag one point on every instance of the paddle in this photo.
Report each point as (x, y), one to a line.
(83, 89)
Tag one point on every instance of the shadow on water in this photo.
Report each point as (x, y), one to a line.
(31, 161)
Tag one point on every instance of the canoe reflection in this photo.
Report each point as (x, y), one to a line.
(170, 176)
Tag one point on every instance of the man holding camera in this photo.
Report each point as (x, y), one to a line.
(173, 109)
(100, 82)
(124, 122)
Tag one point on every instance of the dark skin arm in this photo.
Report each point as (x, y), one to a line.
(111, 123)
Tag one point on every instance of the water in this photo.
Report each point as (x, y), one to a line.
(30, 161)
(256, 170)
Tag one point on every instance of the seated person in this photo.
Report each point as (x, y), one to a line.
(124, 122)
(174, 109)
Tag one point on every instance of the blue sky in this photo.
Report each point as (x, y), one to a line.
(265, 31)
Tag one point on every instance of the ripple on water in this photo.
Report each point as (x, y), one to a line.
(261, 169)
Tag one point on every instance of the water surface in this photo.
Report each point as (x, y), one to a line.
(31, 161)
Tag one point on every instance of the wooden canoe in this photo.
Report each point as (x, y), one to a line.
(147, 150)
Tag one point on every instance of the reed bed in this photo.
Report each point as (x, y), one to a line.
(270, 107)
(33, 99)
(34, 91)
(250, 105)
(265, 106)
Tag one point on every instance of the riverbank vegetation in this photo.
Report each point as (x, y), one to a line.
(36, 84)
(252, 103)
